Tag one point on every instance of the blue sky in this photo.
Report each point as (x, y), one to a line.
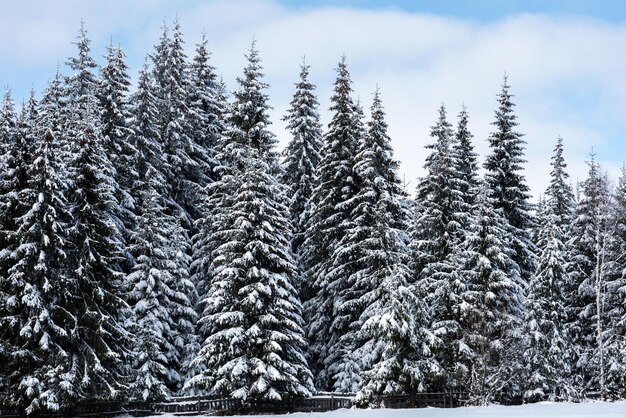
(566, 60)
(485, 10)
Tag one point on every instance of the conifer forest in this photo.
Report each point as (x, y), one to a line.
(155, 242)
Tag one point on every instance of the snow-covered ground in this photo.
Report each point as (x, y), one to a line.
(539, 410)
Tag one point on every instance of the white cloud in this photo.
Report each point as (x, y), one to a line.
(567, 73)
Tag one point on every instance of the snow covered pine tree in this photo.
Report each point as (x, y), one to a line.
(326, 214)
(547, 354)
(253, 338)
(393, 343)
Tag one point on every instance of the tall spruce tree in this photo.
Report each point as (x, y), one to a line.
(216, 196)
(39, 318)
(362, 238)
(548, 353)
(591, 240)
(451, 319)
(437, 232)
(183, 171)
(342, 366)
(15, 292)
(253, 345)
(98, 369)
(208, 109)
(390, 336)
(157, 349)
(504, 177)
(510, 193)
(327, 214)
(206, 113)
(302, 154)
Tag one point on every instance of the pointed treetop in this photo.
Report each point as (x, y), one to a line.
(161, 50)
(177, 33)
(8, 100)
(342, 101)
(82, 30)
(376, 93)
(463, 115)
(253, 51)
(304, 70)
(201, 47)
(343, 76)
(377, 110)
(560, 197)
(7, 95)
(342, 67)
(57, 74)
(7, 114)
(467, 164)
(249, 112)
(253, 70)
(463, 135)
(504, 97)
(592, 157)
(83, 80)
(82, 40)
(442, 129)
(165, 30)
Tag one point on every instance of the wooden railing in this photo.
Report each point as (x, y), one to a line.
(84, 410)
(206, 404)
(422, 400)
(197, 405)
(322, 403)
(10, 412)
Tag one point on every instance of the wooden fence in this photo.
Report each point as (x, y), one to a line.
(85, 410)
(199, 405)
(422, 400)
(323, 403)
